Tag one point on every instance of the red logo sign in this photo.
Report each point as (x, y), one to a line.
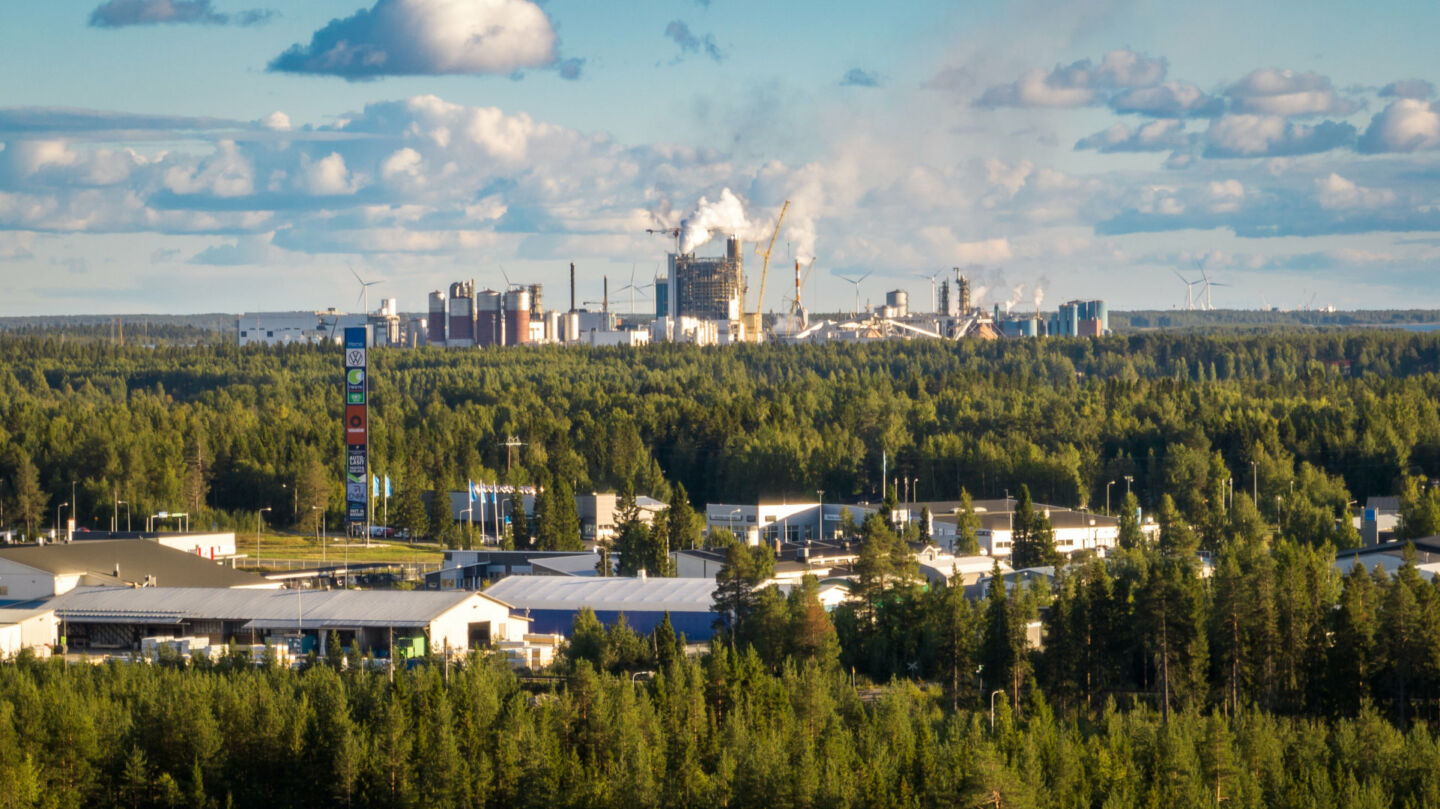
(355, 424)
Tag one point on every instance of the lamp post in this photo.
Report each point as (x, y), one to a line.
(259, 523)
(1108, 484)
(992, 707)
(1129, 479)
(820, 493)
(57, 518)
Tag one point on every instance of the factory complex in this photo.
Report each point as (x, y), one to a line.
(700, 300)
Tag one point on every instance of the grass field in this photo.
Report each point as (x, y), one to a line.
(289, 547)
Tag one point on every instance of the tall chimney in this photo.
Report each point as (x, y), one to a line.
(572, 286)
(605, 298)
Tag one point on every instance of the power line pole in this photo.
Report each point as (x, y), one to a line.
(510, 444)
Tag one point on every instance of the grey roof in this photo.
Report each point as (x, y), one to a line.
(605, 593)
(262, 608)
(14, 615)
(135, 559)
(570, 565)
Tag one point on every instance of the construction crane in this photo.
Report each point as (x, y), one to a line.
(673, 233)
(752, 319)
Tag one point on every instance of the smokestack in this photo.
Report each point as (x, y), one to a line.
(572, 286)
(605, 298)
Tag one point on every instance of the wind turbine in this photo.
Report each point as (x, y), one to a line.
(632, 287)
(1208, 283)
(364, 290)
(934, 302)
(856, 282)
(1189, 290)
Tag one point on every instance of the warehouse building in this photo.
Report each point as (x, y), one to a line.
(552, 602)
(32, 572)
(119, 619)
(33, 628)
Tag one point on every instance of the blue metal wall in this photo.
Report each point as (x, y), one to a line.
(696, 626)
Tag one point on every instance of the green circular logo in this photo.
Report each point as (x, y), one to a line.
(355, 376)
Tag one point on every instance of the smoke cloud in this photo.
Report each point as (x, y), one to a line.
(726, 214)
(1039, 293)
(1016, 295)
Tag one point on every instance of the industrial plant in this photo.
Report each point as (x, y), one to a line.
(700, 300)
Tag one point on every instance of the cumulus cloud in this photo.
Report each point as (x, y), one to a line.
(1273, 136)
(427, 37)
(1406, 125)
(121, 13)
(276, 121)
(1076, 84)
(689, 43)
(1268, 91)
(1152, 136)
(1172, 99)
(858, 77)
(1337, 193)
(1408, 88)
(226, 173)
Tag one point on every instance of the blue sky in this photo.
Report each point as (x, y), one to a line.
(213, 155)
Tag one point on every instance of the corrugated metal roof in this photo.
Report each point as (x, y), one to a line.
(601, 594)
(260, 607)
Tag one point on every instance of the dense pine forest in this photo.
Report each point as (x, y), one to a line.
(1265, 676)
(1305, 423)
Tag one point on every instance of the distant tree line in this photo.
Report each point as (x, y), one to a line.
(1305, 423)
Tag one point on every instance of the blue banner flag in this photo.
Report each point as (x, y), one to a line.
(387, 485)
(374, 486)
(470, 488)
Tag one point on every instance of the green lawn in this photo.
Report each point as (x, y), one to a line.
(289, 547)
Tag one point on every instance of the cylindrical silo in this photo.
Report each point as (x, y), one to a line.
(488, 324)
(898, 300)
(436, 323)
(461, 333)
(517, 317)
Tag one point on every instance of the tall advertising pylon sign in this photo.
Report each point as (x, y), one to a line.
(357, 431)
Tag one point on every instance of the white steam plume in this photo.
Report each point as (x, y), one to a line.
(1015, 295)
(727, 214)
(1040, 287)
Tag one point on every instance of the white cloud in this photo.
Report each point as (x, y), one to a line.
(1337, 193)
(1153, 136)
(327, 176)
(1272, 135)
(1076, 84)
(1406, 125)
(427, 37)
(1268, 91)
(226, 173)
(1171, 99)
(276, 121)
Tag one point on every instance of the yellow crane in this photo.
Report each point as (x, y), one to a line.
(753, 319)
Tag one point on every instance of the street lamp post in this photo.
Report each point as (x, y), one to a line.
(820, 493)
(259, 524)
(57, 518)
(1129, 479)
(1108, 484)
(992, 707)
